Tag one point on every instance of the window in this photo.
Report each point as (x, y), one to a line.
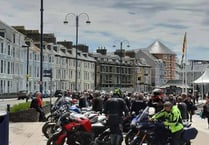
(5, 66)
(2, 47)
(9, 51)
(8, 68)
(2, 34)
(14, 38)
(13, 51)
(2, 66)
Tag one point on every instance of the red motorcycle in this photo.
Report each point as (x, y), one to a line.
(76, 129)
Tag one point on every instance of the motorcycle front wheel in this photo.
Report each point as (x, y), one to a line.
(49, 129)
(136, 141)
(129, 136)
(56, 139)
(103, 139)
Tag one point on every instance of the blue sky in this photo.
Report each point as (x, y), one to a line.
(141, 22)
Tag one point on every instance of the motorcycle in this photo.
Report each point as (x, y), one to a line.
(76, 129)
(133, 125)
(54, 123)
(149, 132)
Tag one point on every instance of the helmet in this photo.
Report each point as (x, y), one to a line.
(157, 92)
(168, 103)
(157, 95)
(118, 92)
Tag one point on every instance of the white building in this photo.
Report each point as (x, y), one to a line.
(13, 65)
(12, 56)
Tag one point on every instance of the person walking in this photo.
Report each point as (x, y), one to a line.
(115, 106)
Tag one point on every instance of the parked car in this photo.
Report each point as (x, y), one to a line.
(23, 94)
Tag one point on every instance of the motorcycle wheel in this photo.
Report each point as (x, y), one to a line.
(50, 118)
(135, 141)
(53, 140)
(103, 139)
(129, 136)
(49, 129)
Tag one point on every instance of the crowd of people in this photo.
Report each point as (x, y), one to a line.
(117, 105)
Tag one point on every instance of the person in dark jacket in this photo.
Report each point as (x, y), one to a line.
(115, 106)
(205, 113)
(84, 100)
(97, 102)
(183, 108)
(138, 104)
(190, 107)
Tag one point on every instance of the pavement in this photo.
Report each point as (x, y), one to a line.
(29, 133)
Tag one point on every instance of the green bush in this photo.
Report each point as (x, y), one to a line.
(23, 106)
(20, 107)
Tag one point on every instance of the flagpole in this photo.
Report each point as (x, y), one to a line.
(185, 65)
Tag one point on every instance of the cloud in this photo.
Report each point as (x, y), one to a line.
(139, 22)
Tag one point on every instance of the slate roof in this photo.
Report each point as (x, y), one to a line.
(159, 48)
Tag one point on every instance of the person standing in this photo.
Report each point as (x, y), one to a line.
(84, 100)
(183, 108)
(115, 106)
(97, 102)
(205, 113)
(190, 107)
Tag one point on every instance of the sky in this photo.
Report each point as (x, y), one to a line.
(135, 22)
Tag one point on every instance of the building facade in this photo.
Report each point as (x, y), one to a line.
(113, 71)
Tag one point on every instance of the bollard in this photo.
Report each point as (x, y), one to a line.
(4, 128)
(8, 107)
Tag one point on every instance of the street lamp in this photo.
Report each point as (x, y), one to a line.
(76, 56)
(27, 66)
(121, 55)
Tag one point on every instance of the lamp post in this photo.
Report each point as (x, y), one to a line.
(77, 24)
(121, 59)
(27, 65)
(41, 47)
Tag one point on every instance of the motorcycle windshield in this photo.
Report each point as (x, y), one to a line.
(144, 115)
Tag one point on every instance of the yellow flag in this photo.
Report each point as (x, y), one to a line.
(184, 43)
(184, 48)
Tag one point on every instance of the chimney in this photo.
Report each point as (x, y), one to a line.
(102, 51)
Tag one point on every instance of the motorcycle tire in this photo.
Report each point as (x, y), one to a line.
(104, 139)
(49, 129)
(136, 141)
(50, 118)
(53, 139)
(130, 136)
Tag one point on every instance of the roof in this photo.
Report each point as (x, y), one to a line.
(204, 78)
(158, 48)
(177, 83)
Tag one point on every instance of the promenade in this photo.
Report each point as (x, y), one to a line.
(25, 133)
(29, 133)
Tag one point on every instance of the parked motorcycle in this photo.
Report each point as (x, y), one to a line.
(77, 129)
(148, 132)
(53, 124)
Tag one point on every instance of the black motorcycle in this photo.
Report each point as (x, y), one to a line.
(152, 132)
